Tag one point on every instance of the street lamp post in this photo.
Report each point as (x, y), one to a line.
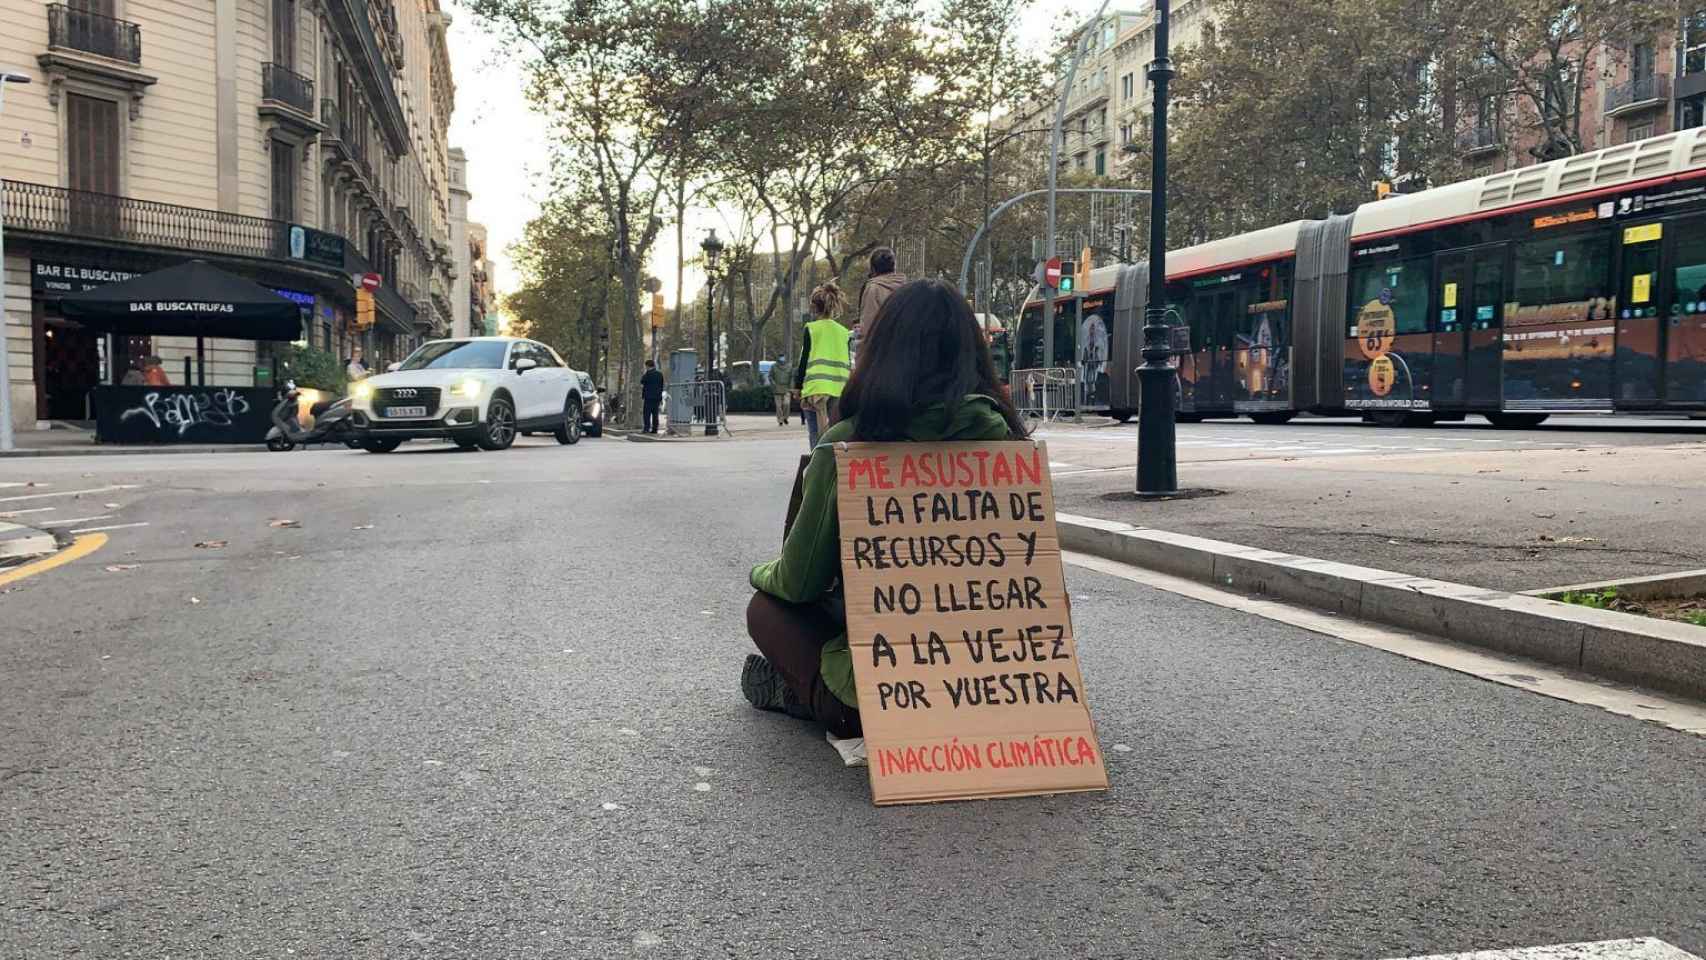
(1157, 457)
(713, 248)
(6, 439)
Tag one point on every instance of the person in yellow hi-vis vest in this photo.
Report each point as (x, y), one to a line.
(825, 361)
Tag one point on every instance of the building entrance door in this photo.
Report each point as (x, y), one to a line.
(70, 366)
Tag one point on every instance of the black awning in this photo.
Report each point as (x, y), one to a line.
(189, 300)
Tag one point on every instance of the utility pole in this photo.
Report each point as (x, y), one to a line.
(1157, 455)
(6, 442)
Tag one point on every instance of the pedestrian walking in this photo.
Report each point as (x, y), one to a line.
(355, 368)
(651, 395)
(925, 375)
(883, 281)
(825, 362)
(782, 388)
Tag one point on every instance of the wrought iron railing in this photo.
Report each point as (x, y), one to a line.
(288, 87)
(93, 33)
(39, 208)
(59, 212)
(1652, 88)
(1478, 137)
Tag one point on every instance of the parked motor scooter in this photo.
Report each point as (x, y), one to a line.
(331, 422)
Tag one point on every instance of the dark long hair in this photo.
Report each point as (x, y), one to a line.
(924, 347)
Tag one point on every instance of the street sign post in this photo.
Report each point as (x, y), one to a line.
(371, 281)
(1051, 272)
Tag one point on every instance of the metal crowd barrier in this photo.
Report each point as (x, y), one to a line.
(697, 404)
(1049, 393)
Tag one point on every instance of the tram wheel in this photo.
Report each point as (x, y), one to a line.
(1515, 421)
(1274, 418)
(1122, 416)
(1187, 418)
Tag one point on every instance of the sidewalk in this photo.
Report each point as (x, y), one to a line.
(742, 426)
(81, 443)
(1508, 520)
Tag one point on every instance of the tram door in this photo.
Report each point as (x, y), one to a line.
(1220, 326)
(1639, 309)
(1451, 368)
(1484, 324)
(1685, 331)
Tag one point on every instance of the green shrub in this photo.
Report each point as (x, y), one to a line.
(310, 367)
(1601, 600)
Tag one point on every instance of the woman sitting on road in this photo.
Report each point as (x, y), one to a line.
(923, 374)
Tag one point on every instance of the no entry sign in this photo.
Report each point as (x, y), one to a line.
(957, 619)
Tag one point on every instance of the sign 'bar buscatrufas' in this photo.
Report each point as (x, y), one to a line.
(958, 622)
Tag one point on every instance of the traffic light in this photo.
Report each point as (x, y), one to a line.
(1068, 275)
(1382, 189)
(657, 310)
(363, 310)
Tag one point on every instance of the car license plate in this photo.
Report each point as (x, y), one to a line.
(405, 411)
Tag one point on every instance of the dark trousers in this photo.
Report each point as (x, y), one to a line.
(650, 416)
(791, 636)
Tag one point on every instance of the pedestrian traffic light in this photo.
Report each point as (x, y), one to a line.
(1068, 275)
(363, 310)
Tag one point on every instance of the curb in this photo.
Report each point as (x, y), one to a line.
(19, 543)
(1621, 647)
(95, 451)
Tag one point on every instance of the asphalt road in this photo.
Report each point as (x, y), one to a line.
(486, 706)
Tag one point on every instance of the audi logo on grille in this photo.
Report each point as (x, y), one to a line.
(406, 393)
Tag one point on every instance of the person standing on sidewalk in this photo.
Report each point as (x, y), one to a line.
(782, 389)
(925, 376)
(826, 362)
(651, 395)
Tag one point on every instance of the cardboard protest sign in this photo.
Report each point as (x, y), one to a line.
(957, 618)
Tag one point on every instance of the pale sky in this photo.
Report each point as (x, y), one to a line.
(506, 147)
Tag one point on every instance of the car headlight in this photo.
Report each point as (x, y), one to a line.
(361, 391)
(467, 388)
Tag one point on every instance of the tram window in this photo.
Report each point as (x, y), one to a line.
(1691, 273)
(1562, 279)
(1401, 285)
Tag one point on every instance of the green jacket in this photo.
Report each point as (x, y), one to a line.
(810, 564)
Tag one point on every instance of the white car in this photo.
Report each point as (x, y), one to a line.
(479, 391)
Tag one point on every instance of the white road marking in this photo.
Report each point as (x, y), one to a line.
(22, 483)
(70, 493)
(116, 526)
(1645, 948)
(1544, 679)
(19, 513)
(61, 523)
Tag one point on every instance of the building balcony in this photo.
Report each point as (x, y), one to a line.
(34, 208)
(71, 29)
(1640, 93)
(78, 216)
(287, 99)
(93, 51)
(1479, 139)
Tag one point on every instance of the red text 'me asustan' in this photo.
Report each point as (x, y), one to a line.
(971, 468)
